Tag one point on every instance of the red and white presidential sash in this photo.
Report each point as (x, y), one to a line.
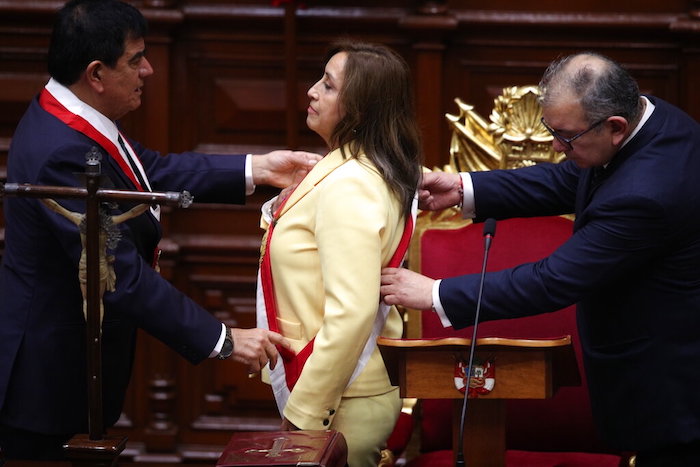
(52, 105)
(284, 377)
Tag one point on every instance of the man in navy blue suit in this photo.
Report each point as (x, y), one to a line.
(98, 66)
(632, 264)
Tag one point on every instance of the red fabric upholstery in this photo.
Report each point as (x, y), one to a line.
(562, 423)
(561, 459)
(446, 253)
(436, 424)
(442, 458)
(399, 438)
(526, 459)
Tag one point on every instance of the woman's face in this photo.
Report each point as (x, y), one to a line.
(325, 110)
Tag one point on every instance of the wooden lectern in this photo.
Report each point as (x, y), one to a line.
(524, 369)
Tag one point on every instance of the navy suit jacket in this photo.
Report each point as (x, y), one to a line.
(42, 328)
(632, 266)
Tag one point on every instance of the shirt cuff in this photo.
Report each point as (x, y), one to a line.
(219, 343)
(468, 210)
(266, 211)
(249, 185)
(437, 306)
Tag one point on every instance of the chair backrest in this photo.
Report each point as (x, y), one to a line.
(561, 423)
(446, 245)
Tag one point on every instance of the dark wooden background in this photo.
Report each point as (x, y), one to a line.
(231, 76)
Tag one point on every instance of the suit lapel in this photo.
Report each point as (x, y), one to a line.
(321, 170)
(593, 179)
(123, 182)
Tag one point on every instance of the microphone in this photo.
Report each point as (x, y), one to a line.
(489, 233)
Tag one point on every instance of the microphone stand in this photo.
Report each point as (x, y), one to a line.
(489, 233)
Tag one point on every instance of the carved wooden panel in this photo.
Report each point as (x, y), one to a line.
(23, 44)
(232, 76)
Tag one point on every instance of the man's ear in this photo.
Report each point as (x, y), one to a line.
(93, 74)
(618, 127)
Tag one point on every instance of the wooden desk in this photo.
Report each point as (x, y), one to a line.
(524, 369)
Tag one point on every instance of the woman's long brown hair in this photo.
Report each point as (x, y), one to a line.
(380, 120)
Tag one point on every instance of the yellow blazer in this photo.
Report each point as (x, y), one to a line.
(337, 230)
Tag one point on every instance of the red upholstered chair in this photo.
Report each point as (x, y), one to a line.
(539, 433)
(398, 441)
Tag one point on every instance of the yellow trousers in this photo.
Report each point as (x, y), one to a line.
(366, 423)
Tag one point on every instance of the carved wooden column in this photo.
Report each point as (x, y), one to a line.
(688, 30)
(156, 373)
(291, 76)
(429, 26)
(150, 124)
(160, 435)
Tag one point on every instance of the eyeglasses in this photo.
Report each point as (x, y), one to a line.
(567, 141)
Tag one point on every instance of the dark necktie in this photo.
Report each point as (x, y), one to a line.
(597, 178)
(132, 164)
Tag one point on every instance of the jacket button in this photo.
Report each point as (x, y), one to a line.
(325, 422)
(331, 412)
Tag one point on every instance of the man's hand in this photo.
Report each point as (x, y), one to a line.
(282, 197)
(255, 347)
(404, 287)
(288, 426)
(439, 190)
(281, 168)
(284, 194)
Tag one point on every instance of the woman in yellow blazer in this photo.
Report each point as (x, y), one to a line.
(326, 243)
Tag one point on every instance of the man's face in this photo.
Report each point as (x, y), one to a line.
(123, 83)
(590, 145)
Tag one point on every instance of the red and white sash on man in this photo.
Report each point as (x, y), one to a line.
(58, 100)
(284, 377)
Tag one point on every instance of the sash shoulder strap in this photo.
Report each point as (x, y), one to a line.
(51, 105)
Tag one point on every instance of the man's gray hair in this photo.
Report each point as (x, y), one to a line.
(602, 86)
